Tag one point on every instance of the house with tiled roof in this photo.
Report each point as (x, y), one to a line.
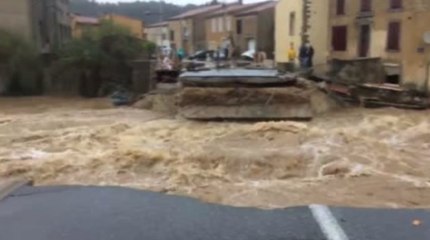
(250, 26)
(158, 33)
(134, 25)
(255, 28)
(187, 30)
(81, 24)
(44, 23)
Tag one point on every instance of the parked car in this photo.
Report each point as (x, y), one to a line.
(248, 55)
(203, 54)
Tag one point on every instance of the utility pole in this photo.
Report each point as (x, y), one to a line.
(223, 25)
(161, 18)
(161, 10)
(225, 44)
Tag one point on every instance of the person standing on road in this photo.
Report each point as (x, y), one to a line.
(310, 55)
(303, 56)
(225, 47)
(181, 54)
(292, 55)
(306, 56)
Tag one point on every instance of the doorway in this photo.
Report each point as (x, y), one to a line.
(252, 44)
(364, 41)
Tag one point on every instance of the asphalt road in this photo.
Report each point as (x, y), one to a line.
(90, 213)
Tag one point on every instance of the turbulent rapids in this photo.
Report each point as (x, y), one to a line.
(354, 157)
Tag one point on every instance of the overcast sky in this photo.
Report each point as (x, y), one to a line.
(182, 2)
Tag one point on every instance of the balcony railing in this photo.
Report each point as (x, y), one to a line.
(365, 14)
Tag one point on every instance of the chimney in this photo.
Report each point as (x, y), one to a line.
(240, 2)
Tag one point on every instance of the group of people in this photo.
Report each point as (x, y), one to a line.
(168, 60)
(305, 56)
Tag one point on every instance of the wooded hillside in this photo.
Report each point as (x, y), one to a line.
(148, 11)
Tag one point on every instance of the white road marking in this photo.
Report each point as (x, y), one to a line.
(328, 223)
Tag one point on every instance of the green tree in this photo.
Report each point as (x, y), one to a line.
(148, 11)
(102, 57)
(150, 48)
(20, 65)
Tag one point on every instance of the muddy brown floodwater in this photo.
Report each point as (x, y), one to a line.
(354, 157)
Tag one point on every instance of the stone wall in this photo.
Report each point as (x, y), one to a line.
(15, 17)
(413, 56)
(143, 78)
(4, 81)
(358, 71)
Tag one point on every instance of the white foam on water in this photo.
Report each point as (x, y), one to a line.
(359, 157)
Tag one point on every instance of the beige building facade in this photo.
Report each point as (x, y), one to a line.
(45, 23)
(159, 34)
(392, 30)
(15, 16)
(175, 32)
(255, 29)
(301, 21)
(135, 26)
(223, 24)
(218, 29)
(188, 30)
(180, 33)
(83, 24)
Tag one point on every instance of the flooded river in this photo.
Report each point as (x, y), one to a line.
(354, 157)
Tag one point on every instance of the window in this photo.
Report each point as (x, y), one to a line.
(340, 7)
(186, 32)
(239, 26)
(213, 24)
(292, 23)
(392, 79)
(172, 35)
(366, 5)
(396, 4)
(220, 24)
(339, 38)
(393, 37)
(228, 24)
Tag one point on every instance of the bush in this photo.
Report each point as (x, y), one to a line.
(20, 65)
(150, 48)
(102, 57)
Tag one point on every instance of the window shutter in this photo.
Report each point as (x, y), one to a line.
(340, 7)
(292, 24)
(339, 38)
(396, 4)
(239, 26)
(366, 5)
(393, 41)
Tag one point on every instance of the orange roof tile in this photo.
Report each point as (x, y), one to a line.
(197, 11)
(86, 20)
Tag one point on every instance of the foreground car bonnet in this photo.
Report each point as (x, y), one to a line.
(70, 213)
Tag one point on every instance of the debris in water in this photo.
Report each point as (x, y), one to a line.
(416, 222)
